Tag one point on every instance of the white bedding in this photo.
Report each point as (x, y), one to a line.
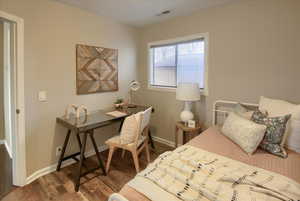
(193, 174)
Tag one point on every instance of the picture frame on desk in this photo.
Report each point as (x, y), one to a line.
(191, 124)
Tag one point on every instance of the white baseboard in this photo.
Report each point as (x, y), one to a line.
(2, 141)
(164, 141)
(52, 168)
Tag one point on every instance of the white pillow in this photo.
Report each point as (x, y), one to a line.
(243, 111)
(130, 128)
(247, 134)
(277, 108)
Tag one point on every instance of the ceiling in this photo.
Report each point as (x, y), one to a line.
(143, 12)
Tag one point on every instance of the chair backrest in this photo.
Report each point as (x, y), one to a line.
(139, 132)
(146, 118)
(131, 129)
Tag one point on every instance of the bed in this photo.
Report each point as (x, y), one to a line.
(225, 147)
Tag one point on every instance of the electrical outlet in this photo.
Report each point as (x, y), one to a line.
(58, 150)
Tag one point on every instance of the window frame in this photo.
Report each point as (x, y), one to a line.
(204, 36)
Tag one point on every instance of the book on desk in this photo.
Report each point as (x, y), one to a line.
(117, 113)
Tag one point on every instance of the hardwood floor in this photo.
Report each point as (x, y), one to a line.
(59, 186)
(5, 172)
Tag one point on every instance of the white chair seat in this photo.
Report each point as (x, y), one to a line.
(117, 141)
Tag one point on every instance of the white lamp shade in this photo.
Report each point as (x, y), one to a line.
(188, 92)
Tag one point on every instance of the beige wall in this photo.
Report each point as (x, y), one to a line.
(2, 136)
(254, 50)
(51, 32)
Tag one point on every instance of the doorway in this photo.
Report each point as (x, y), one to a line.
(6, 106)
(12, 117)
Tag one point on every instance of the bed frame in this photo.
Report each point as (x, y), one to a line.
(222, 108)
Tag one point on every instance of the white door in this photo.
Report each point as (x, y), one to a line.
(14, 92)
(8, 85)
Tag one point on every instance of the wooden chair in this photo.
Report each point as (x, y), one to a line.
(140, 142)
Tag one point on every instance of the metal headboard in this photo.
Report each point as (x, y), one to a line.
(223, 107)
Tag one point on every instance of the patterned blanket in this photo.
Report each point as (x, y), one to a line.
(192, 174)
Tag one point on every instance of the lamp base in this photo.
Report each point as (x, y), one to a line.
(186, 114)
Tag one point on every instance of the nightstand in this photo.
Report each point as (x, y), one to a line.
(187, 132)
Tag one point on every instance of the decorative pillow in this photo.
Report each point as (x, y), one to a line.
(277, 108)
(243, 111)
(130, 129)
(247, 134)
(274, 134)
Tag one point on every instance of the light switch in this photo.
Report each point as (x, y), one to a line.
(42, 96)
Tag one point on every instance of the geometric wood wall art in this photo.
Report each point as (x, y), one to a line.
(96, 69)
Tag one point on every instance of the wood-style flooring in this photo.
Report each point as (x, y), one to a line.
(5, 172)
(59, 186)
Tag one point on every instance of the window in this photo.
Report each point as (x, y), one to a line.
(180, 60)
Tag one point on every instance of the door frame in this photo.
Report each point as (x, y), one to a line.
(18, 137)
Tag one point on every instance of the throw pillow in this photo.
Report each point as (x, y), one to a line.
(243, 132)
(130, 129)
(243, 111)
(274, 134)
(277, 108)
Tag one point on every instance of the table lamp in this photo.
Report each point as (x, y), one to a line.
(187, 92)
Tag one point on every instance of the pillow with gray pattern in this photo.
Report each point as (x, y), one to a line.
(274, 133)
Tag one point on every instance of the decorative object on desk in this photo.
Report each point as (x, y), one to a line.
(187, 92)
(77, 110)
(80, 109)
(133, 86)
(191, 123)
(119, 103)
(68, 112)
(97, 69)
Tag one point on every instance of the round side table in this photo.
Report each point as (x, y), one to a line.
(187, 132)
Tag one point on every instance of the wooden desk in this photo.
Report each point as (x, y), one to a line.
(86, 127)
